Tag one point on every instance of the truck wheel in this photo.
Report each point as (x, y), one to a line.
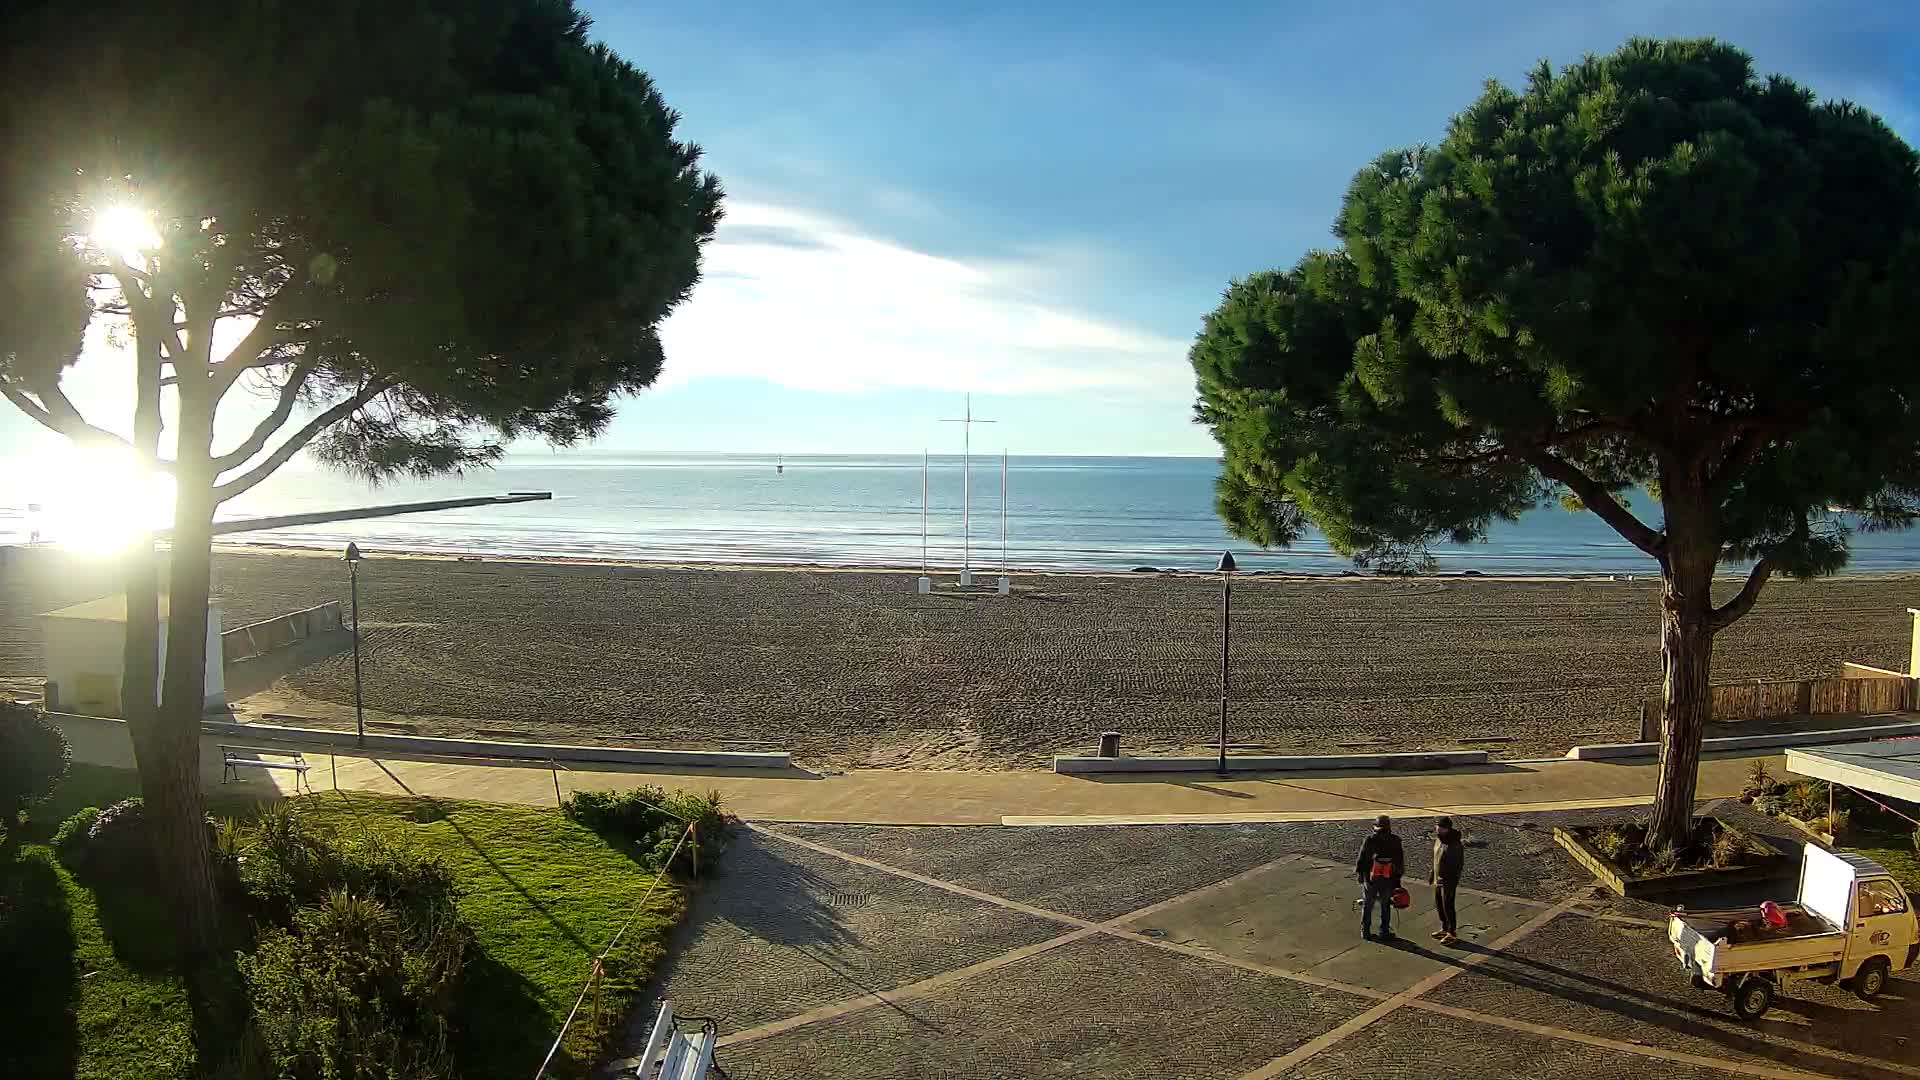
(1753, 998)
(1871, 979)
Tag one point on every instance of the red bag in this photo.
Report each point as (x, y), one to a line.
(1402, 899)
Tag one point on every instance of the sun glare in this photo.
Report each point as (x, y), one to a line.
(98, 500)
(126, 231)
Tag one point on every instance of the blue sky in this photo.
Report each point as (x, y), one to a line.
(1037, 202)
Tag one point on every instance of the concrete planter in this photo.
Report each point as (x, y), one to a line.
(1806, 827)
(1628, 885)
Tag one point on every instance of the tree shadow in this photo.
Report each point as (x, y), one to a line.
(777, 899)
(499, 1020)
(38, 1033)
(763, 892)
(441, 814)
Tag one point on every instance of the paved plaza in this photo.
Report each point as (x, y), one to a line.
(862, 951)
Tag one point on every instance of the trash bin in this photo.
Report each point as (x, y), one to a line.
(1109, 744)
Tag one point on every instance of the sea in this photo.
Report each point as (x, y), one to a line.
(1069, 513)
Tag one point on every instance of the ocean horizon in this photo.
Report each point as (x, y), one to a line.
(1060, 513)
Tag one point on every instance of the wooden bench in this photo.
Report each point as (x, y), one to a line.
(235, 758)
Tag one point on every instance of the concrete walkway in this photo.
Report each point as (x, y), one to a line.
(888, 797)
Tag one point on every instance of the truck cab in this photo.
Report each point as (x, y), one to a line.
(1852, 924)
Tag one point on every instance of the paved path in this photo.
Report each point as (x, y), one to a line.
(890, 797)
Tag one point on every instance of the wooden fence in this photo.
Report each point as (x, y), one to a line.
(1862, 690)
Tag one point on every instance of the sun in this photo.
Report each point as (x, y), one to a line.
(98, 500)
(126, 231)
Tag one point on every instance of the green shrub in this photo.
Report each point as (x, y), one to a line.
(354, 990)
(282, 867)
(1664, 860)
(117, 846)
(1834, 824)
(1805, 799)
(1731, 848)
(69, 840)
(117, 842)
(34, 756)
(1758, 779)
(651, 820)
(1613, 843)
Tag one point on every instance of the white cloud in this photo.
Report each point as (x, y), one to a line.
(808, 302)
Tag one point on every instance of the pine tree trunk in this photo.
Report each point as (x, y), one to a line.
(1686, 653)
(224, 1036)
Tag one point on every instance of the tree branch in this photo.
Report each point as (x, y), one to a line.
(146, 310)
(262, 432)
(1597, 499)
(285, 451)
(56, 413)
(1730, 612)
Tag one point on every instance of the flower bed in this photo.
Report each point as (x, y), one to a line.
(1716, 854)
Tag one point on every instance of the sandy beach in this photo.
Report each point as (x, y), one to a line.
(852, 669)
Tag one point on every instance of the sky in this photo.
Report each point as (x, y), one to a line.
(1037, 202)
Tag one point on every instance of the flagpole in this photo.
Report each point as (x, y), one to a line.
(966, 487)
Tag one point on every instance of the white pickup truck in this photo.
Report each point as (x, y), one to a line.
(1853, 925)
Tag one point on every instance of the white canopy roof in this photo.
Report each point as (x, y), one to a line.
(1889, 767)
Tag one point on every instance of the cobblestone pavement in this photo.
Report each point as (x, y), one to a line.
(1214, 951)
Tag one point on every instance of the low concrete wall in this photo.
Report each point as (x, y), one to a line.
(279, 632)
(343, 741)
(421, 744)
(1627, 751)
(1401, 762)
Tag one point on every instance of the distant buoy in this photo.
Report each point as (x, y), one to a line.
(779, 463)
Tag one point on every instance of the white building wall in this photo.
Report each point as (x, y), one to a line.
(85, 657)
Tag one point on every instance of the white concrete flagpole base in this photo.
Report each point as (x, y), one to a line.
(925, 586)
(1006, 585)
(966, 579)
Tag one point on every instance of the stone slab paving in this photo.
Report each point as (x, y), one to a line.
(1228, 950)
(1422, 1046)
(1621, 982)
(1101, 872)
(1299, 916)
(1100, 1007)
(1091, 872)
(783, 930)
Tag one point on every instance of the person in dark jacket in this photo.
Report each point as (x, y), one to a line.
(1382, 860)
(1449, 859)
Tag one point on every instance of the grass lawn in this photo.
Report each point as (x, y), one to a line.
(1893, 852)
(541, 894)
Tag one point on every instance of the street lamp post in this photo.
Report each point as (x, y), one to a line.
(1226, 627)
(353, 558)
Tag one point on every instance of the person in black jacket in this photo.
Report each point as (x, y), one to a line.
(1449, 860)
(1382, 860)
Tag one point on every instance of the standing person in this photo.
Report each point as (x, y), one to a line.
(1449, 859)
(1382, 860)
